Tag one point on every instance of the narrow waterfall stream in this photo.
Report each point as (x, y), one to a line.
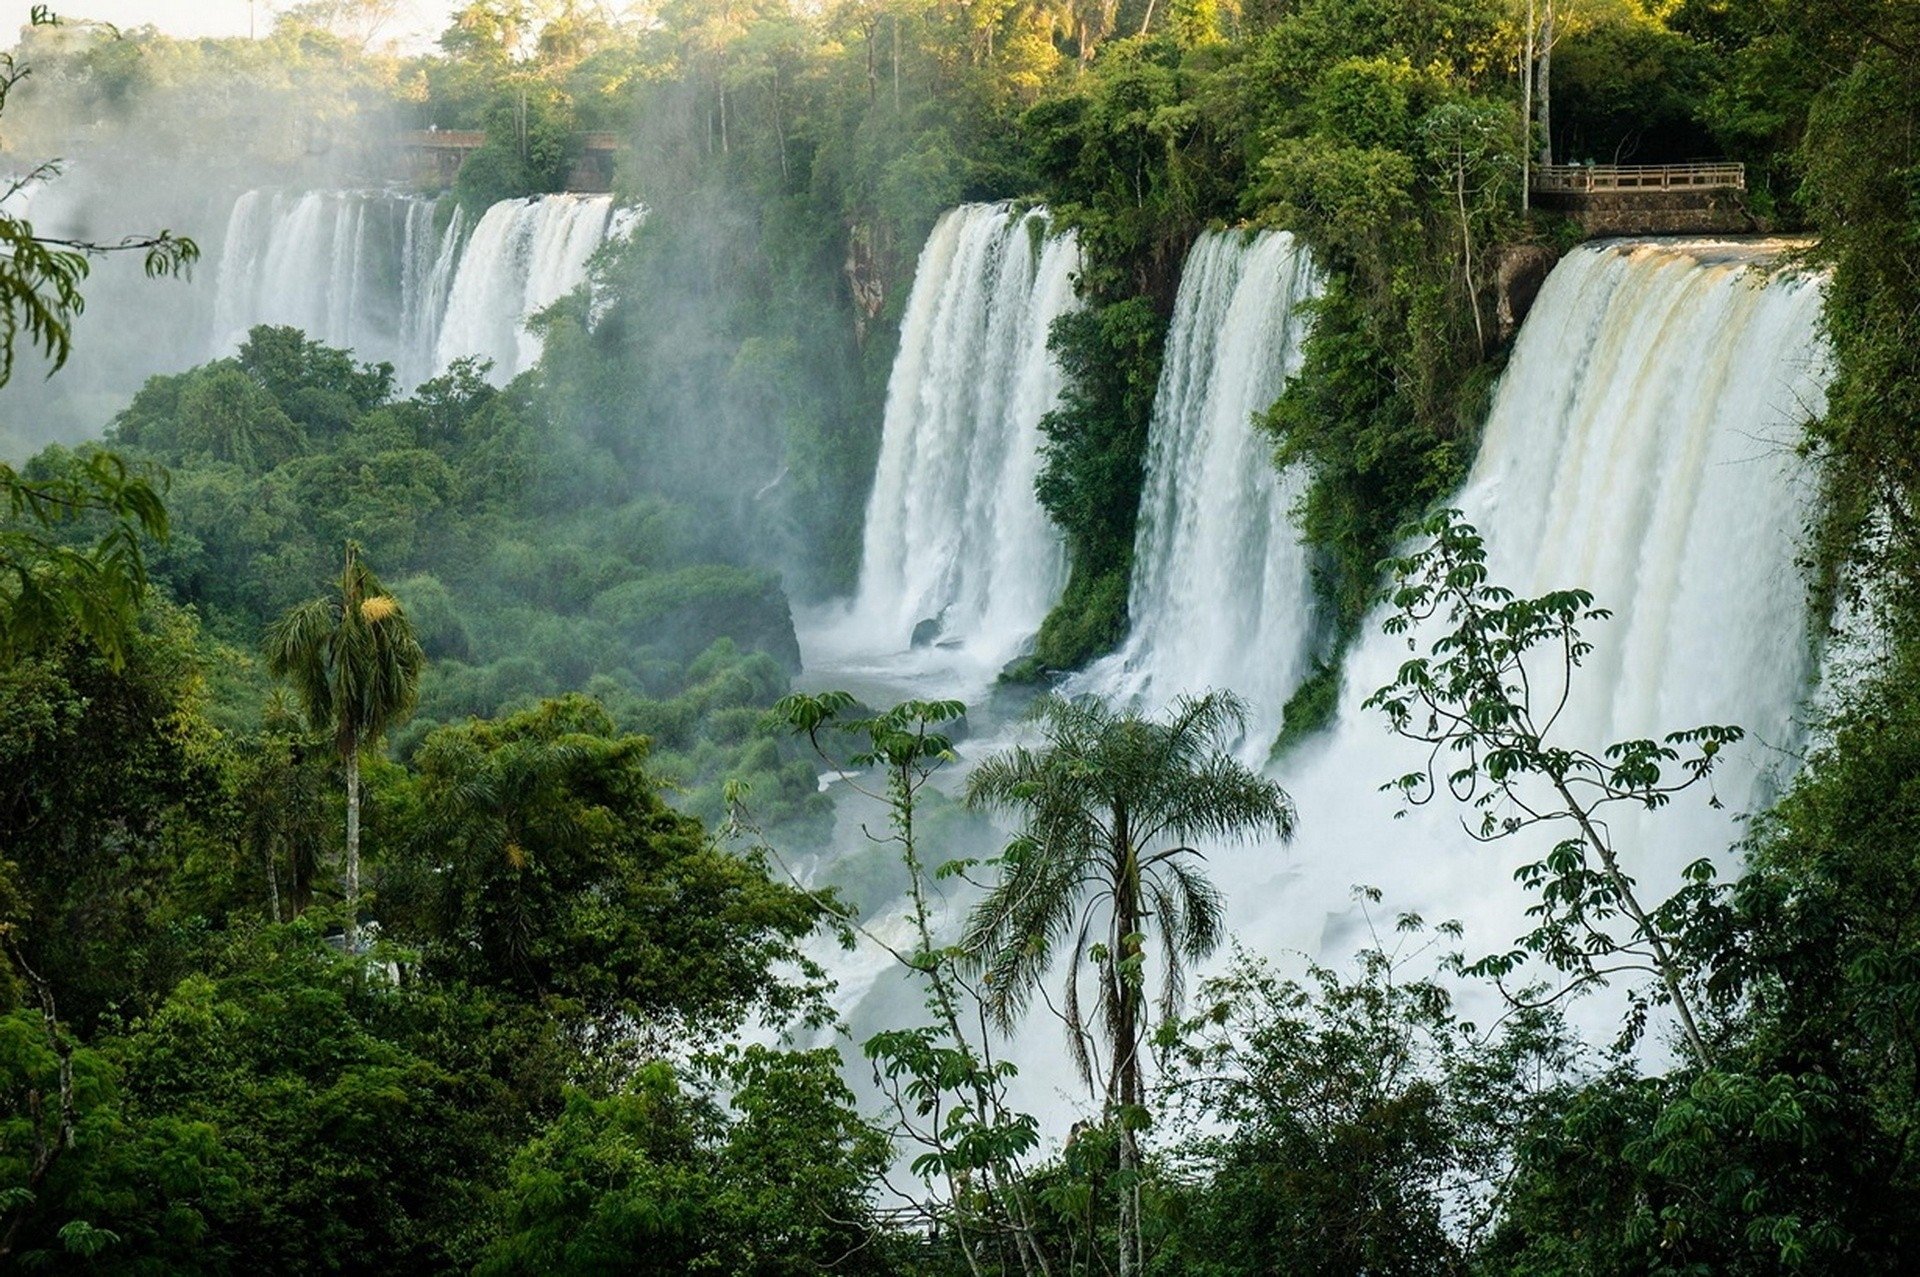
(960, 563)
(523, 256)
(1221, 594)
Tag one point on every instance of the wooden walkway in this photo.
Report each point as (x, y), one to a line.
(1584, 179)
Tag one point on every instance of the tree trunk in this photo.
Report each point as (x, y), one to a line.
(1526, 112)
(1546, 89)
(1466, 250)
(353, 846)
(779, 127)
(1663, 959)
(45, 1153)
(873, 67)
(1130, 1089)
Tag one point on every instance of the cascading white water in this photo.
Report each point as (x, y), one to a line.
(368, 272)
(523, 256)
(423, 293)
(1221, 595)
(327, 262)
(1641, 447)
(959, 556)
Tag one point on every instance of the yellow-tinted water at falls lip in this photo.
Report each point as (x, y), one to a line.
(1714, 250)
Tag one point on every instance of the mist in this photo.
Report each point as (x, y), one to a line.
(668, 387)
(149, 133)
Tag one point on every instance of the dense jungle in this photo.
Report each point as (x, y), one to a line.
(966, 637)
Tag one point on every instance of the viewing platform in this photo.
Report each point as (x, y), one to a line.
(1700, 198)
(433, 157)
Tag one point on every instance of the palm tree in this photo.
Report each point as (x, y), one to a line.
(1110, 808)
(355, 665)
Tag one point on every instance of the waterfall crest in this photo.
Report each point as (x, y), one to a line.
(326, 262)
(959, 558)
(524, 255)
(367, 271)
(1640, 446)
(1221, 594)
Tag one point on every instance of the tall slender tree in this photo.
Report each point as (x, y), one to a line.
(355, 665)
(1111, 808)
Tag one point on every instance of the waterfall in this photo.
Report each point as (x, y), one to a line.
(368, 272)
(959, 558)
(1221, 595)
(524, 255)
(423, 291)
(1640, 446)
(351, 269)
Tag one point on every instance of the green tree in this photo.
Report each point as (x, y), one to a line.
(1352, 1123)
(51, 587)
(1110, 809)
(657, 1179)
(279, 782)
(1796, 1153)
(367, 1123)
(1469, 146)
(48, 587)
(104, 768)
(1860, 175)
(947, 1088)
(545, 863)
(87, 1183)
(106, 765)
(356, 22)
(1094, 463)
(355, 665)
(1489, 720)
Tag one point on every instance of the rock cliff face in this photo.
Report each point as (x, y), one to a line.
(1685, 212)
(1522, 270)
(865, 280)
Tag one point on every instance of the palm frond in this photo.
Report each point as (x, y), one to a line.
(300, 649)
(1095, 800)
(1078, 1048)
(353, 662)
(1013, 935)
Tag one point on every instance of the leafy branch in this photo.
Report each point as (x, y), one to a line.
(49, 585)
(1490, 728)
(946, 1086)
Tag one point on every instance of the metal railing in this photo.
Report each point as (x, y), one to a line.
(444, 139)
(1582, 178)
